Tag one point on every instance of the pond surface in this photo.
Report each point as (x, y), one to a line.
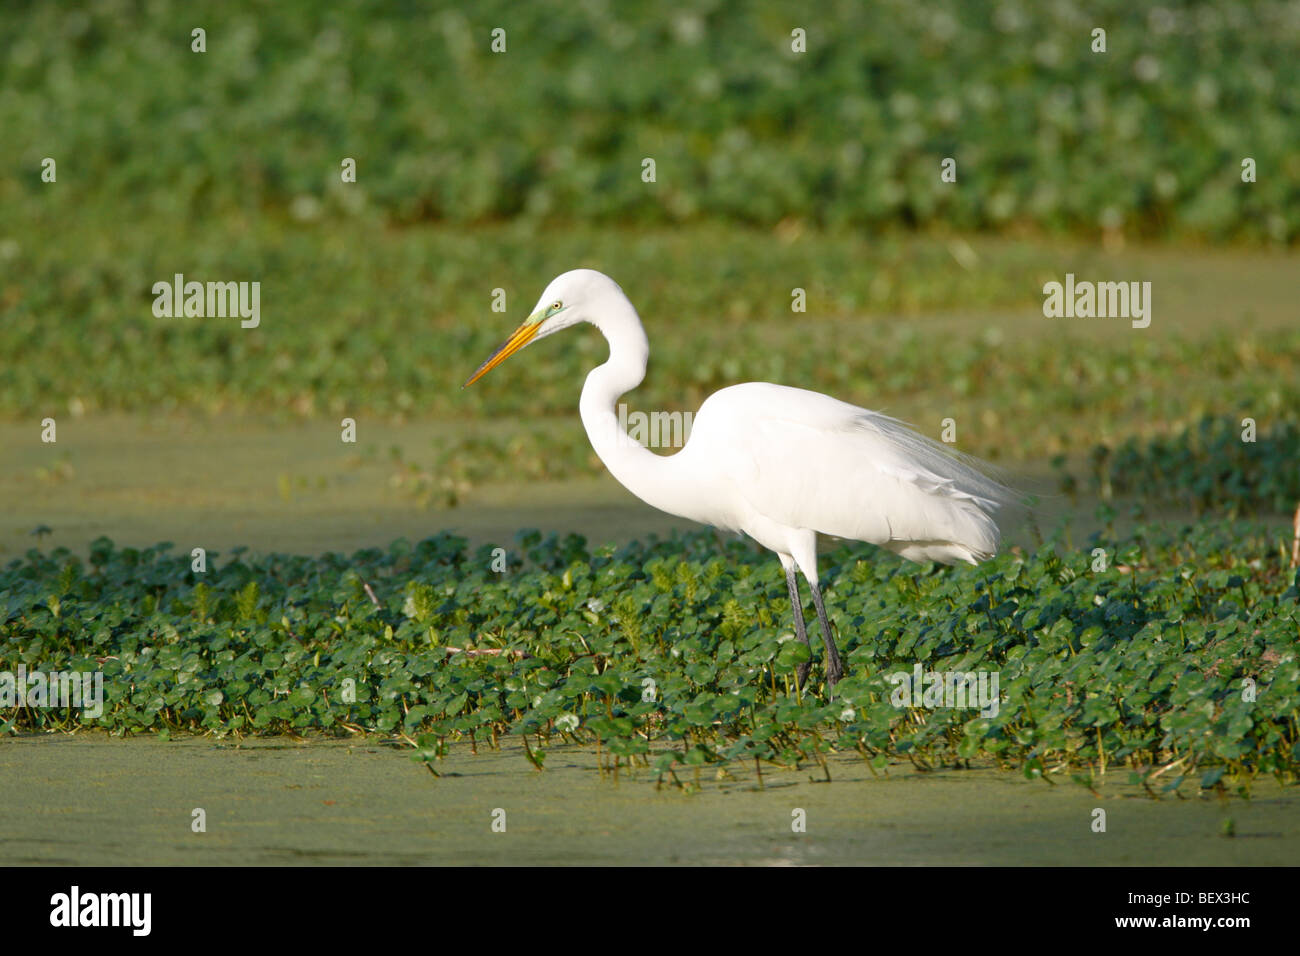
(95, 800)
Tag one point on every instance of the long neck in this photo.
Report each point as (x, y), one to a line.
(656, 480)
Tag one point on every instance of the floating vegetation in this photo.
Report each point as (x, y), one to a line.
(1169, 655)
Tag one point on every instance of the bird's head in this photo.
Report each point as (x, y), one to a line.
(577, 296)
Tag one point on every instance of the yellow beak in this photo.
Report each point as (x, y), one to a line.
(518, 339)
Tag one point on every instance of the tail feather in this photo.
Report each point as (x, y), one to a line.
(955, 500)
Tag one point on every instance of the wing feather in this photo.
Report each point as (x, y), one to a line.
(807, 460)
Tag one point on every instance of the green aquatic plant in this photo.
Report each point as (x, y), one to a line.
(666, 654)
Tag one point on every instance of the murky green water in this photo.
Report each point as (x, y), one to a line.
(290, 488)
(90, 799)
(294, 488)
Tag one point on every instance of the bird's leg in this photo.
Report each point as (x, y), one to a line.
(834, 670)
(792, 582)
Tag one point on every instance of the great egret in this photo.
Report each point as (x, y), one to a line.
(780, 464)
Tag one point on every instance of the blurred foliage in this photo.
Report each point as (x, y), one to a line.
(1147, 138)
(480, 171)
(1209, 466)
(366, 321)
(365, 318)
(1137, 665)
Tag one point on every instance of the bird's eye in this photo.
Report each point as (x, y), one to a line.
(557, 305)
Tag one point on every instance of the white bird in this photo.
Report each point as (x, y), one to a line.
(780, 464)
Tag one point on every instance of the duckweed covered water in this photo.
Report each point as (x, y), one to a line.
(91, 800)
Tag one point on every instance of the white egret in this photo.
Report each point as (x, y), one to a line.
(780, 464)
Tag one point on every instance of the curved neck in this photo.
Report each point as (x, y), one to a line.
(652, 478)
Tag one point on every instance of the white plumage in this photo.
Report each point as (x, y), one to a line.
(780, 464)
(810, 461)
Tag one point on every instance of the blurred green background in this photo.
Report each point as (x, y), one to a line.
(1147, 137)
(775, 170)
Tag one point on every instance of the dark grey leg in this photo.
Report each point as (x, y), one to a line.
(834, 670)
(792, 582)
